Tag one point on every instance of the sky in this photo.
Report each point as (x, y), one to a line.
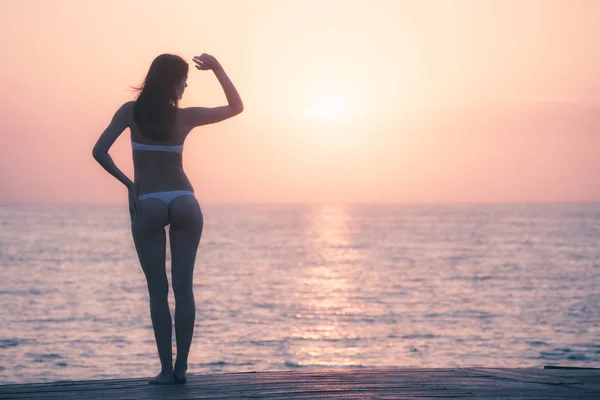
(346, 101)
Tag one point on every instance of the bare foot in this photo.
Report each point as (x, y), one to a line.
(162, 379)
(179, 374)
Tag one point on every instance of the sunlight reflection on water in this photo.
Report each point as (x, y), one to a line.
(307, 286)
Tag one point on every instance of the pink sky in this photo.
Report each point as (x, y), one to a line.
(346, 101)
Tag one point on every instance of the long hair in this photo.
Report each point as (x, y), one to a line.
(156, 104)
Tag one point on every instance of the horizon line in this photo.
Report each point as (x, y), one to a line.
(327, 203)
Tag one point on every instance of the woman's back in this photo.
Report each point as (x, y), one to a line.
(158, 166)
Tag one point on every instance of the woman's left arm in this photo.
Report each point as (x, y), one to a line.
(118, 124)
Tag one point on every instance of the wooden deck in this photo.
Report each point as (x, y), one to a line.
(371, 383)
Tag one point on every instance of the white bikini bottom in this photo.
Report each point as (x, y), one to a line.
(167, 197)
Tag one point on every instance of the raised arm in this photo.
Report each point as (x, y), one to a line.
(196, 116)
(118, 124)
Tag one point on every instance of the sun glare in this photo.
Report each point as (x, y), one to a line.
(329, 107)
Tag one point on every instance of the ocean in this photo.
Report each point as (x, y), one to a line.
(305, 287)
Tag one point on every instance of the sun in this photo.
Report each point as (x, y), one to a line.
(329, 106)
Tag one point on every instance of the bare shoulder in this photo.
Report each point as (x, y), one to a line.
(185, 114)
(126, 111)
(186, 117)
(124, 114)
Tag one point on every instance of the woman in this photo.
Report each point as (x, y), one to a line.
(162, 195)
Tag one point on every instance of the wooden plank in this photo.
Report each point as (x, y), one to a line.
(376, 383)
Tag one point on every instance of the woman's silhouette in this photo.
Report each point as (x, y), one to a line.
(161, 194)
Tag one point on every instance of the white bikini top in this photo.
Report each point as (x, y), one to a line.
(156, 147)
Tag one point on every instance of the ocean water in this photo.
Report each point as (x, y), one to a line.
(291, 287)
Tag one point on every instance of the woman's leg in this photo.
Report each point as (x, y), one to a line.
(185, 231)
(148, 229)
